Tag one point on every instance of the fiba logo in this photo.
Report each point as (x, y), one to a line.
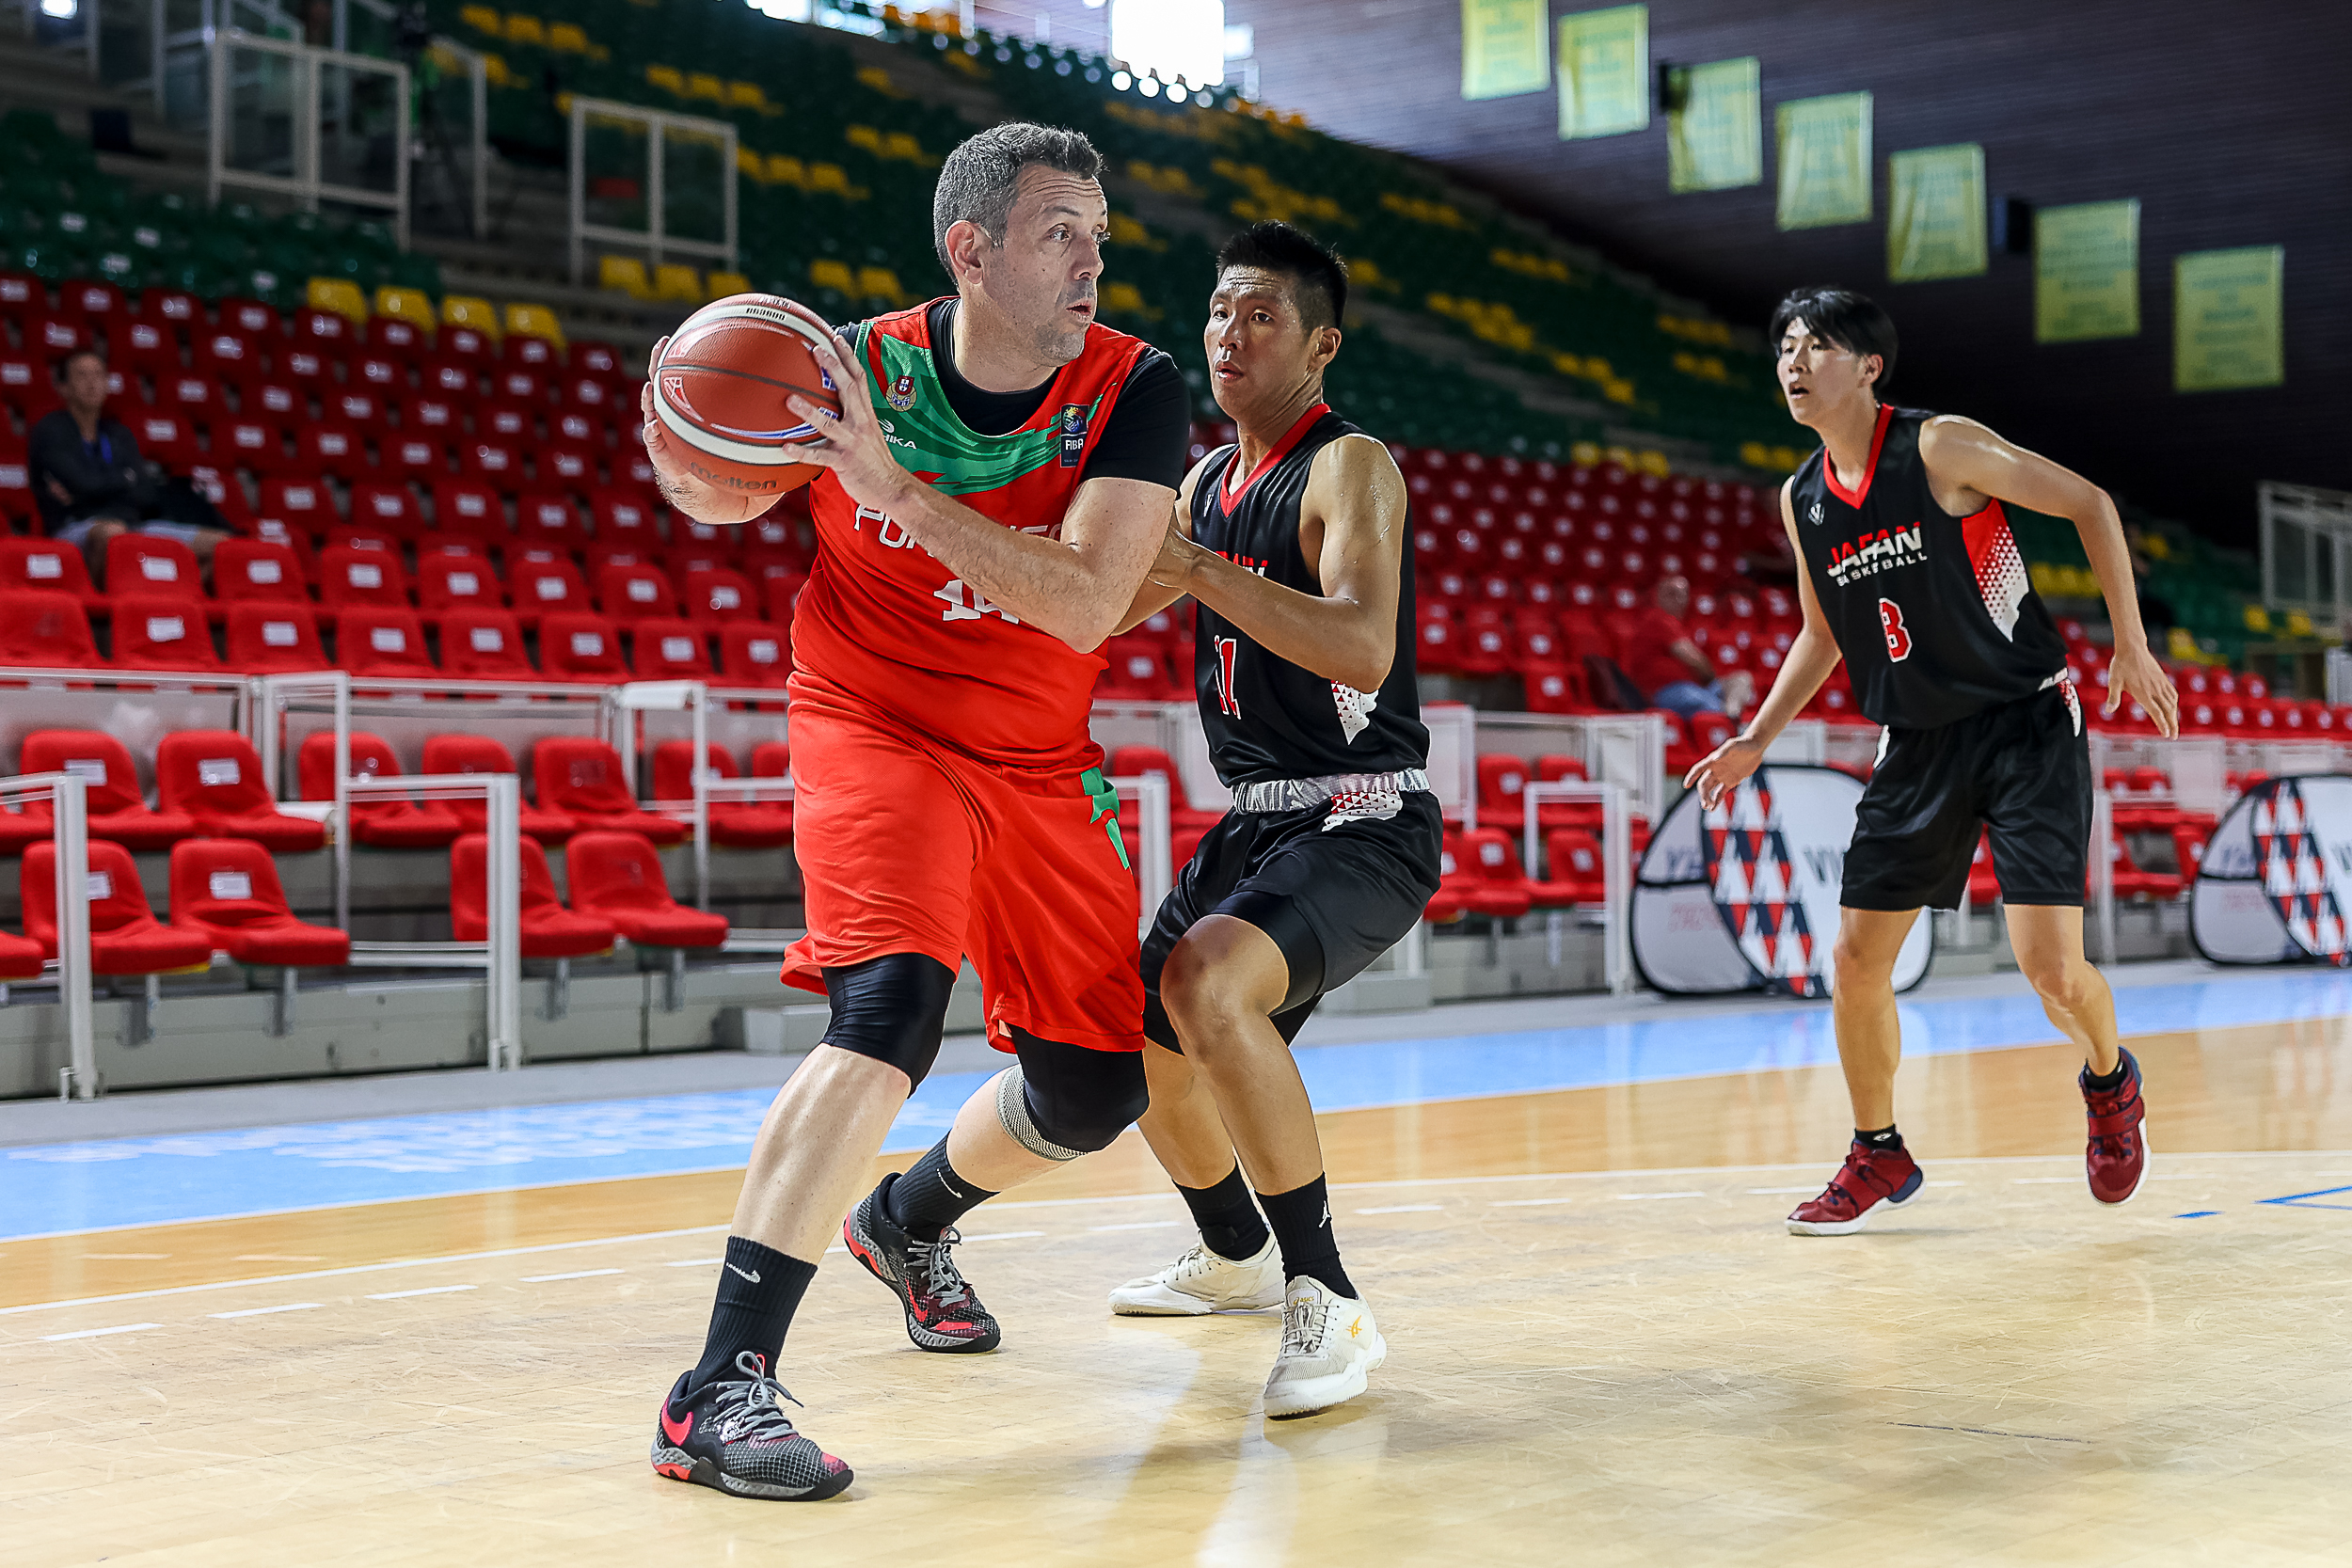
(1073, 424)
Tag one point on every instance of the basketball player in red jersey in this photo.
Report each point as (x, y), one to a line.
(1911, 575)
(997, 484)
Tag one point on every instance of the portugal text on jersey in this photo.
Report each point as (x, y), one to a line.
(1932, 612)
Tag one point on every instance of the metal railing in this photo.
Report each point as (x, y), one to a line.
(2307, 551)
(305, 126)
(1616, 867)
(656, 238)
(69, 800)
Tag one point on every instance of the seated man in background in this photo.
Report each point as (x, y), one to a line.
(1672, 672)
(93, 482)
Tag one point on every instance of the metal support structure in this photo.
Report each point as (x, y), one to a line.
(68, 794)
(559, 993)
(2307, 551)
(694, 697)
(1156, 846)
(477, 68)
(2103, 870)
(306, 183)
(1616, 867)
(654, 239)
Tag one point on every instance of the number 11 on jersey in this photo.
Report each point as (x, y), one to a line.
(1897, 635)
(1228, 700)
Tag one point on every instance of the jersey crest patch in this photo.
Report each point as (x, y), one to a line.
(901, 394)
(1355, 708)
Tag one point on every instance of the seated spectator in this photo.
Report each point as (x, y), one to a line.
(1670, 669)
(91, 482)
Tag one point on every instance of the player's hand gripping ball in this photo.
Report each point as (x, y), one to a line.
(719, 386)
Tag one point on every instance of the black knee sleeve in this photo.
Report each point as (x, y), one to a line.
(892, 1009)
(1076, 1099)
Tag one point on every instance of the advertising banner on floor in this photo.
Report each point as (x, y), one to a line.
(2276, 881)
(1744, 897)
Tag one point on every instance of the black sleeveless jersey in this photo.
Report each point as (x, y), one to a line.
(1932, 612)
(1266, 716)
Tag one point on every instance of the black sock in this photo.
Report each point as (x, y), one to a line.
(2108, 1083)
(1885, 1140)
(1301, 1219)
(759, 1289)
(931, 1196)
(1228, 1222)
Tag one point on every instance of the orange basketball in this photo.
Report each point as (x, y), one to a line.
(721, 387)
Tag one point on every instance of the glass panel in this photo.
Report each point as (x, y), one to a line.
(441, 195)
(693, 185)
(359, 111)
(614, 172)
(262, 106)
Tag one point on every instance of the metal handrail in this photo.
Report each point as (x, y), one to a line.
(653, 238)
(1617, 869)
(68, 798)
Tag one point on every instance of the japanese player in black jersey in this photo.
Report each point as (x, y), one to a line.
(1293, 542)
(1911, 575)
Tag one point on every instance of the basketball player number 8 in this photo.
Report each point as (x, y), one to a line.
(1898, 635)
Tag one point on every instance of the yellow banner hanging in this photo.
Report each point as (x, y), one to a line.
(1715, 140)
(1604, 72)
(1824, 160)
(1935, 213)
(2086, 272)
(1504, 48)
(2226, 327)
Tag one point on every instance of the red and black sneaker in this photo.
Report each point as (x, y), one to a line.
(2115, 1159)
(1871, 1179)
(733, 1437)
(943, 1314)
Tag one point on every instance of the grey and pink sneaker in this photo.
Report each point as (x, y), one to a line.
(942, 1313)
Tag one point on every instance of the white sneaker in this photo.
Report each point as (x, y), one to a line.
(1331, 1346)
(1203, 1281)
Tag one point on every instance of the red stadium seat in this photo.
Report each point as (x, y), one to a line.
(670, 650)
(1502, 788)
(228, 890)
(570, 464)
(152, 567)
(334, 448)
(495, 462)
(622, 516)
(1565, 814)
(446, 582)
(584, 780)
(549, 930)
(635, 593)
(618, 876)
(361, 578)
(547, 587)
(252, 317)
(156, 633)
(256, 445)
(302, 501)
(717, 594)
(214, 776)
(389, 505)
(581, 647)
(476, 753)
(327, 332)
(384, 643)
(223, 353)
(740, 824)
(509, 422)
(118, 810)
(1140, 761)
(166, 436)
(389, 822)
(41, 566)
(20, 957)
(398, 339)
(1495, 885)
(274, 638)
(755, 653)
(469, 507)
(483, 645)
(45, 631)
(1577, 869)
(125, 938)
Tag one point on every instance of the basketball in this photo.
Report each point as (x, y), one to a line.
(722, 385)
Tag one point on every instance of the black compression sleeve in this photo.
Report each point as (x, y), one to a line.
(1149, 431)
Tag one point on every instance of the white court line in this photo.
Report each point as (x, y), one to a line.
(428, 1291)
(1004, 1235)
(1630, 1197)
(1780, 1192)
(97, 1333)
(1535, 1202)
(1140, 1225)
(266, 1311)
(1404, 1209)
(575, 1274)
(696, 1264)
(2040, 1180)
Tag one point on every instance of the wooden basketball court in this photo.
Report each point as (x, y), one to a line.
(1604, 1349)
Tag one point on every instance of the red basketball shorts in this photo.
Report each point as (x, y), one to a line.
(906, 846)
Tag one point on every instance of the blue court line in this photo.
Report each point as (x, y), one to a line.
(109, 1183)
(2301, 1201)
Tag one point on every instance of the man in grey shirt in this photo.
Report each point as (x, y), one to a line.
(89, 476)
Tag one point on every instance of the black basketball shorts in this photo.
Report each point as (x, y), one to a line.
(1332, 901)
(2021, 768)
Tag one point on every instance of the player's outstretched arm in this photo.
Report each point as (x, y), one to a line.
(1355, 501)
(1074, 588)
(1157, 593)
(704, 502)
(1968, 464)
(1810, 659)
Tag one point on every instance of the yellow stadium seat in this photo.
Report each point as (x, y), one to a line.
(525, 29)
(784, 169)
(902, 145)
(494, 69)
(667, 76)
(881, 283)
(726, 283)
(525, 320)
(829, 274)
(565, 38)
(624, 273)
(2257, 618)
(751, 164)
(677, 280)
(482, 19)
(471, 310)
(340, 295)
(829, 177)
(1125, 298)
(413, 306)
(864, 136)
(701, 84)
(879, 80)
(747, 95)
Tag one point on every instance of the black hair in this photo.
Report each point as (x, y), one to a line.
(1318, 277)
(64, 363)
(1854, 321)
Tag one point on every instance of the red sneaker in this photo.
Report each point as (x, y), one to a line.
(1871, 1179)
(2115, 1159)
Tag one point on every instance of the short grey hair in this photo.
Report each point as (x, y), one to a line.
(979, 180)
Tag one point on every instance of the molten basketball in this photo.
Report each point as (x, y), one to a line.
(721, 387)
